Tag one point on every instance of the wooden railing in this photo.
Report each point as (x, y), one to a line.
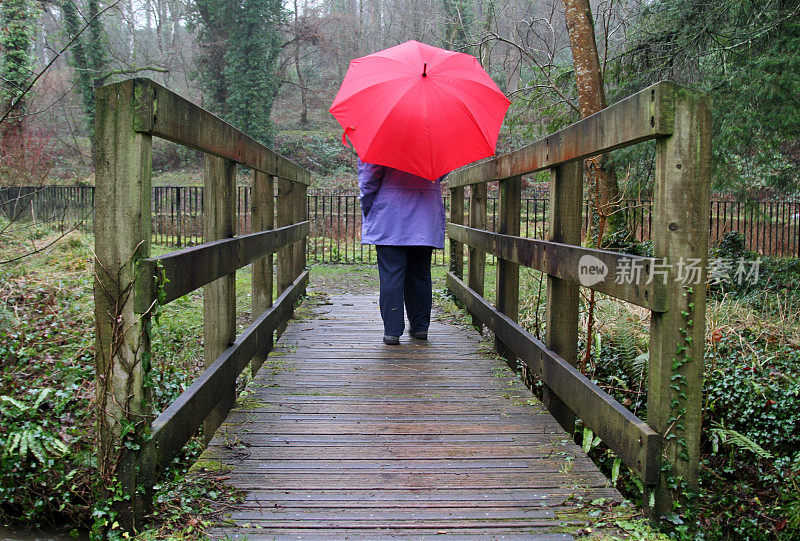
(130, 286)
(678, 119)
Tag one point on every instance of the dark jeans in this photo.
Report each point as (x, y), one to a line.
(405, 274)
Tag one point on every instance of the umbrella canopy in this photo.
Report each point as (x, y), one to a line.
(420, 109)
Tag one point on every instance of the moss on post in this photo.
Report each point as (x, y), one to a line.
(508, 223)
(263, 218)
(561, 327)
(457, 217)
(123, 163)
(219, 297)
(677, 336)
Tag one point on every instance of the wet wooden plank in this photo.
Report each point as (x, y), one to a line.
(341, 436)
(465, 533)
(419, 497)
(432, 481)
(402, 451)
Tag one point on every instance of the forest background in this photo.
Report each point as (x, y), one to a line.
(272, 67)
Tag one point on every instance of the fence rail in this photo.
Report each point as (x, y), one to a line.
(770, 227)
(678, 119)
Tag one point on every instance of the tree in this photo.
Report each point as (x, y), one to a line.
(17, 64)
(299, 35)
(747, 56)
(213, 48)
(458, 20)
(88, 51)
(602, 188)
(240, 45)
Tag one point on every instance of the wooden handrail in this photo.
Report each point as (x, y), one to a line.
(648, 114)
(679, 120)
(563, 261)
(636, 444)
(176, 425)
(128, 283)
(165, 278)
(163, 113)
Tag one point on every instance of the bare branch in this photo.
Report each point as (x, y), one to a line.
(52, 60)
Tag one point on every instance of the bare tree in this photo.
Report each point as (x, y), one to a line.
(602, 188)
(601, 180)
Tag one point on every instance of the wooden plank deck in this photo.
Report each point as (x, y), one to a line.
(342, 436)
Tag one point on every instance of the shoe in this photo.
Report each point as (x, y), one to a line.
(419, 335)
(391, 340)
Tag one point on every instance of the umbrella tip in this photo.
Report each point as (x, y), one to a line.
(425, 69)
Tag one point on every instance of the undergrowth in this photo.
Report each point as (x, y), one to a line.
(48, 475)
(750, 454)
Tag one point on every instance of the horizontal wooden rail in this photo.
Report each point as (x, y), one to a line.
(181, 272)
(180, 421)
(564, 261)
(636, 444)
(645, 115)
(161, 112)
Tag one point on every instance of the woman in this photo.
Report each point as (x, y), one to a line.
(403, 216)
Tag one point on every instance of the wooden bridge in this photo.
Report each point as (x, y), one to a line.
(341, 436)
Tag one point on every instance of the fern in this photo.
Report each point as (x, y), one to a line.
(26, 435)
(641, 363)
(794, 514)
(720, 434)
(626, 341)
(590, 441)
(20, 406)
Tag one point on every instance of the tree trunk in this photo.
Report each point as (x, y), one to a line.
(484, 49)
(300, 80)
(17, 63)
(602, 188)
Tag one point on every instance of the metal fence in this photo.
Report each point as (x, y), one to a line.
(769, 227)
(60, 206)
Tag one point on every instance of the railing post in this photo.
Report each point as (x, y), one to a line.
(178, 215)
(283, 217)
(457, 217)
(287, 214)
(477, 258)
(677, 336)
(300, 215)
(262, 218)
(219, 297)
(123, 168)
(561, 327)
(508, 223)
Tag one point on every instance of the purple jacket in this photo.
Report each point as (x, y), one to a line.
(398, 208)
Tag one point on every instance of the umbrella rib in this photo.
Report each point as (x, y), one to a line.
(383, 122)
(458, 100)
(363, 89)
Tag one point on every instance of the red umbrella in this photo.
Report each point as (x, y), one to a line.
(420, 109)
